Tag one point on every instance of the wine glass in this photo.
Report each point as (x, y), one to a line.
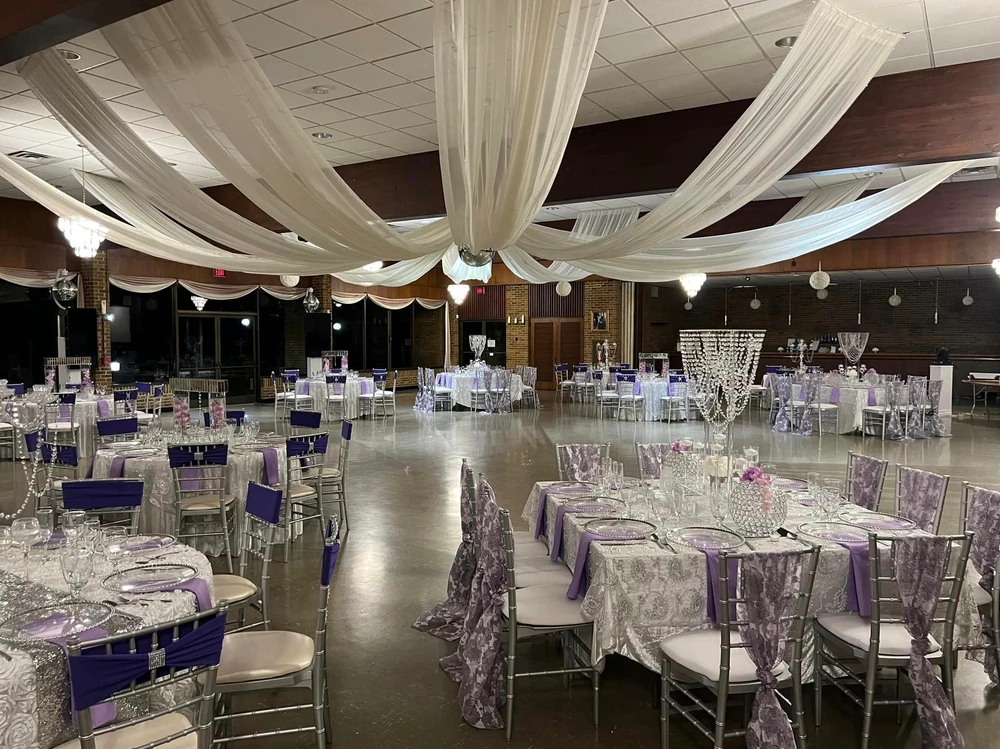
(115, 539)
(25, 532)
(5, 538)
(719, 501)
(835, 488)
(770, 469)
(91, 532)
(77, 567)
(45, 525)
(72, 524)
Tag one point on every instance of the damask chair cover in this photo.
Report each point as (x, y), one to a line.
(482, 384)
(809, 395)
(478, 663)
(917, 398)
(445, 620)
(651, 458)
(897, 399)
(935, 426)
(864, 486)
(982, 519)
(498, 396)
(921, 567)
(425, 390)
(580, 462)
(920, 497)
(783, 394)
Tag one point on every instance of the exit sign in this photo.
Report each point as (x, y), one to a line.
(480, 289)
(219, 273)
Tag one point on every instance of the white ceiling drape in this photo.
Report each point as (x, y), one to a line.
(218, 292)
(351, 297)
(141, 284)
(35, 279)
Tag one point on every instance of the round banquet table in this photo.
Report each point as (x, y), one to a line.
(34, 686)
(86, 416)
(157, 514)
(463, 383)
(851, 403)
(318, 389)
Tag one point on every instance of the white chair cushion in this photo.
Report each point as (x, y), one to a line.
(758, 389)
(557, 574)
(144, 733)
(297, 491)
(824, 406)
(526, 564)
(567, 384)
(4, 426)
(329, 472)
(143, 418)
(875, 409)
(442, 389)
(530, 549)
(546, 606)
(979, 596)
(252, 656)
(63, 426)
(335, 397)
(202, 503)
(700, 652)
(798, 404)
(856, 630)
(609, 395)
(233, 588)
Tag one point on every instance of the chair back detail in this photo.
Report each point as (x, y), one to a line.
(651, 458)
(309, 419)
(865, 477)
(102, 494)
(197, 456)
(64, 456)
(114, 428)
(809, 394)
(581, 462)
(336, 383)
(306, 445)
(782, 385)
(980, 516)
(920, 497)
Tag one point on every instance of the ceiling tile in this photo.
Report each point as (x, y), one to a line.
(969, 34)
(357, 145)
(658, 67)
(957, 56)
(700, 31)
(682, 85)
(363, 105)
(742, 81)
(417, 27)
(25, 103)
(15, 116)
(914, 43)
(371, 43)
(9, 142)
(903, 17)
(665, 11)
(29, 133)
(725, 54)
(146, 133)
(104, 88)
(382, 152)
(361, 126)
(280, 71)
(139, 99)
(621, 17)
(12, 84)
(633, 46)
(318, 18)
(593, 118)
(605, 78)
(115, 71)
(905, 64)
(695, 100)
(427, 83)
(427, 132)
(769, 15)
(95, 40)
(640, 110)
(407, 95)
(427, 110)
(402, 141)
(259, 5)
(233, 10)
(334, 89)
(399, 118)
(412, 66)
(178, 142)
(319, 57)
(268, 35)
(380, 10)
(622, 97)
(321, 114)
(948, 12)
(366, 77)
(292, 99)
(51, 125)
(352, 159)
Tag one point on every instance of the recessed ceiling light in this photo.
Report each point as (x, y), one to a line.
(320, 135)
(785, 41)
(69, 54)
(320, 90)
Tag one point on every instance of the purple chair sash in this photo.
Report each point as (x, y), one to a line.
(65, 454)
(271, 473)
(102, 408)
(100, 715)
(116, 427)
(101, 494)
(17, 387)
(714, 593)
(67, 399)
(330, 553)
(263, 502)
(310, 419)
(859, 584)
(297, 446)
(581, 575)
(346, 429)
(872, 400)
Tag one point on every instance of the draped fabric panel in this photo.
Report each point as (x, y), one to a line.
(350, 297)
(834, 58)
(35, 279)
(284, 293)
(398, 274)
(217, 292)
(141, 284)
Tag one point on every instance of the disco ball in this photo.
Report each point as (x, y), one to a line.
(64, 288)
(289, 281)
(688, 306)
(822, 294)
(475, 259)
(563, 288)
(755, 303)
(819, 280)
(311, 303)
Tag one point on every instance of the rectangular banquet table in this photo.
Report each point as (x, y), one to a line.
(851, 404)
(34, 686)
(462, 384)
(640, 593)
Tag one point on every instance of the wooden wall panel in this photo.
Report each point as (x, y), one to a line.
(491, 304)
(544, 302)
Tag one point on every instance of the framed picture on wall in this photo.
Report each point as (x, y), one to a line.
(599, 320)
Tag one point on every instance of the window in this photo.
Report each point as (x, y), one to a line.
(142, 335)
(376, 336)
(350, 336)
(401, 323)
(495, 332)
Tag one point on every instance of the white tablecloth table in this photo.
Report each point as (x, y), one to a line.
(642, 593)
(86, 415)
(319, 390)
(850, 406)
(34, 685)
(463, 383)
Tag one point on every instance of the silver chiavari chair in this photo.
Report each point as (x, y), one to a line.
(882, 641)
(62, 463)
(117, 429)
(61, 424)
(978, 516)
(717, 658)
(267, 661)
(116, 501)
(336, 385)
(865, 479)
(305, 456)
(151, 397)
(920, 496)
(199, 473)
(581, 462)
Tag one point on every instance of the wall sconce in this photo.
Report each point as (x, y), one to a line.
(522, 319)
(508, 320)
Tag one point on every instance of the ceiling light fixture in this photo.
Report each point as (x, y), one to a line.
(692, 283)
(822, 293)
(372, 267)
(199, 302)
(458, 292)
(83, 234)
(68, 54)
(819, 279)
(895, 299)
(63, 290)
(320, 90)
(320, 135)
(755, 302)
(311, 303)
(785, 42)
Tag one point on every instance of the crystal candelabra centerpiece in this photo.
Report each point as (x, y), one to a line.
(478, 345)
(853, 345)
(607, 352)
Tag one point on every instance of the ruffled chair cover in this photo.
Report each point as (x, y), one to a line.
(934, 424)
(917, 399)
(896, 399)
(920, 566)
(983, 521)
(866, 481)
(425, 390)
(446, 619)
(783, 392)
(809, 392)
(478, 663)
(920, 495)
(771, 582)
(482, 383)
(580, 462)
(498, 396)
(652, 457)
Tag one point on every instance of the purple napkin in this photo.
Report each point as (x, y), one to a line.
(364, 386)
(581, 577)
(834, 395)
(197, 586)
(859, 584)
(714, 600)
(271, 475)
(117, 469)
(104, 713)
(557, 531)
(190, 480)
(305, 387)
(102, 408)
(872, 401)
(540, 521)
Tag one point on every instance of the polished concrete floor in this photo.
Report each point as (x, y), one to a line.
(385, 684)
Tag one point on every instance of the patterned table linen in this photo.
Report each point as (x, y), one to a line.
(461, 386)
(34, 686)
(850, 406)
(86, 416)
(318, 388)
(641, 593)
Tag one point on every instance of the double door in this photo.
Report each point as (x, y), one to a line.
(554, 340)
(221, 346)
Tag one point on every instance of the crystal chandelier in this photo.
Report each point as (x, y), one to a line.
(372, 267)
(83, 234)
(199, 302)
(996, 265)
(458, 292)
(692, 283)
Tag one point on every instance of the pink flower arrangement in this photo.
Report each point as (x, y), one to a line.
(755, 475)
(676, 447)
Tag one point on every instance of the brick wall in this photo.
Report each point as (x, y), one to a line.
(601, 296)
(94, 283)
(454, 322)
(323, 289)
(295, 335)
(428, 337)
(910, 328)
(517, 332)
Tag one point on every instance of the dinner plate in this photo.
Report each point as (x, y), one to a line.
(624, 528)
(837, 532)
(148, 578)
(875, 521)
(706, 538)
(149, 542)
(612, 505)
(788, 484)
(60, 620)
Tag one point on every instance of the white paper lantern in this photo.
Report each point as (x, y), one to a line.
(895, 300)
(289, 281)
(755, 303)
(967, 300)
(820, 279)
(563, 288)
(822, 294)
(688, 306)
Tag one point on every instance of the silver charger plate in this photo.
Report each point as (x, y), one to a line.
(876, 521)
(613, 505)
(61, 620)
(149, 542)
(836, 532)
(148, 578)
(706, 538)
(627, 528)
